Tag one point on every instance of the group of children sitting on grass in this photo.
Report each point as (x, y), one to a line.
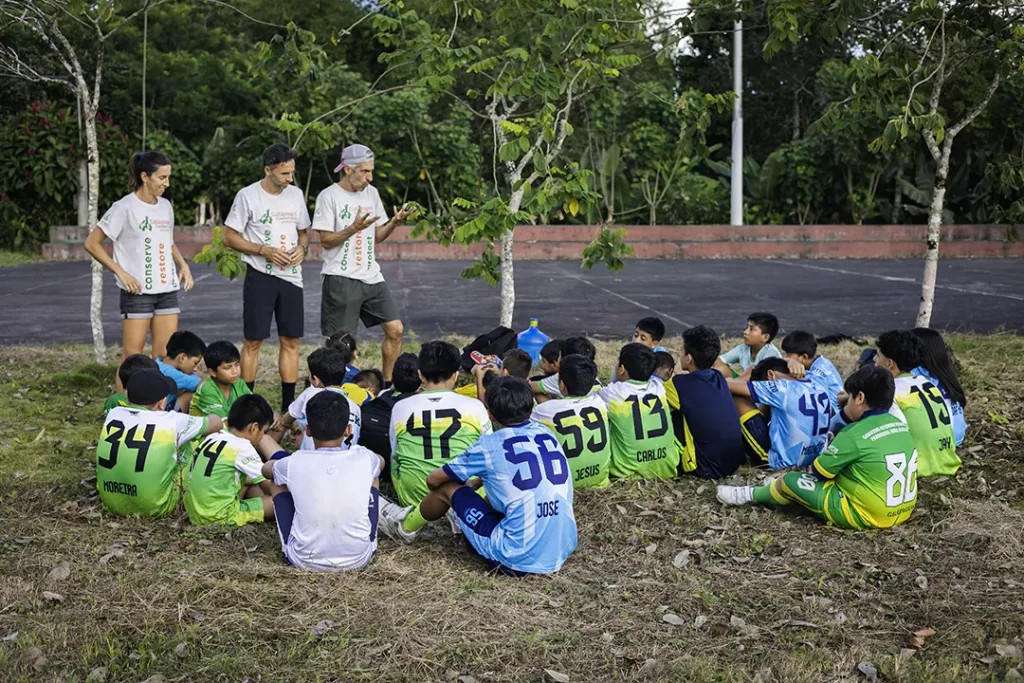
(500, 457)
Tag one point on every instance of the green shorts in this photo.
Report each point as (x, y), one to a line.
(250, 511)
(344, 302)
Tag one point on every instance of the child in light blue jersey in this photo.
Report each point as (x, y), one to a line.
(526, 525)
(802, 347)
(756, 347)
(800, 413)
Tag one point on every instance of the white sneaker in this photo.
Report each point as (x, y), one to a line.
(453, 519)
(735, 495)
(390, 519)
(769, 480)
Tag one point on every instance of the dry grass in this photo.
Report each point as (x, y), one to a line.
(765, 596)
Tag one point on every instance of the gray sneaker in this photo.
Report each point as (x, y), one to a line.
(390, 522)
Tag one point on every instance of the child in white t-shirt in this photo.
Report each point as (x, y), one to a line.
(327, 369)
(327, 515)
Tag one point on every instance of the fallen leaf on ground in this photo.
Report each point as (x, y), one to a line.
(868, 670)
(322, 627)
(557, 676)
(181, 651)
(700, 620)
(50, 596)
(98, 675)
(673, 619)
(59, 573)
(651, 548)
(681, 559)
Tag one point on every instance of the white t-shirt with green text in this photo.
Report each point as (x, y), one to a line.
(356, 257)
(272, 220)
(143, 237)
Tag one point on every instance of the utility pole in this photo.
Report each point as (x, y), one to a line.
(736, 203)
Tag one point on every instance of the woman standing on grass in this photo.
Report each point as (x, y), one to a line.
(147, 264)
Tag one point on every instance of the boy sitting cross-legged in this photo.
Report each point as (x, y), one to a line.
(707, 431)
(798, 414)
(327, 516)
(547, 388)
(432, 427)
(138, 471)
(643, 446)
(802, 347)
(184, 353)
(756, 347)
(866, 478)
(224, 386)
(129, 366)
(225, 481)
(926, 411)
(327, 368)
(650, 332)
(580, 423)
(526, 525)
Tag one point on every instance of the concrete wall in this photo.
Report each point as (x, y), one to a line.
(538, 242)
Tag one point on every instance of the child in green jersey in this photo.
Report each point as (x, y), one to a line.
(138, 468)
(643, 445)
(129, 366)
(224, 385)
(225, 482)
(866, 478)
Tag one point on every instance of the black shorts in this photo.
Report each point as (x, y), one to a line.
(265, 297)
(756, 438)
(345, 301)
(145, 306)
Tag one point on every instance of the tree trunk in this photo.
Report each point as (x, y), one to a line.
(897, 198)
(931, 259)
(83, 192)
(508, 281)
(96, 295)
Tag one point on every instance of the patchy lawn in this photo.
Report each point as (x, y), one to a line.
(665, 585)
(17, 258)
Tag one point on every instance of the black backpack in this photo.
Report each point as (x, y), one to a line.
(497, 342)
(374, 433)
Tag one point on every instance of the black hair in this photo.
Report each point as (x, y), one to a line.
(800, 343)
(220, 352)
(327, 415)
(510, 400)
(278, 153)
(517, 363)
(551, 351)
(328, 366)
(185, 342)
(132, 364)
(638, 360)
(345, 342)
(579, 346)
(371, 378)
(702, 345)
(664, 359)
(902, 347)
(760, 371)
(768, 323)
(144, 162)
(940, 363)
(248, 409)
(653, 327)
(406, 374)
(578, 373)
(877, 383)
(439, 360)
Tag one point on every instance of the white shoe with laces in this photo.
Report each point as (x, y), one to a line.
(735, 495)
(390, 519)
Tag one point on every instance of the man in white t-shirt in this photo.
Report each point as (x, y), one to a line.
(350, 220)
(268, 224)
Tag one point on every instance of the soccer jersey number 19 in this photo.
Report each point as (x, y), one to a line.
(928, 418)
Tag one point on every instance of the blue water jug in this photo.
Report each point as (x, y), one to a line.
(532, 340)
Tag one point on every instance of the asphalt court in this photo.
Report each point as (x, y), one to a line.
(48, 303)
